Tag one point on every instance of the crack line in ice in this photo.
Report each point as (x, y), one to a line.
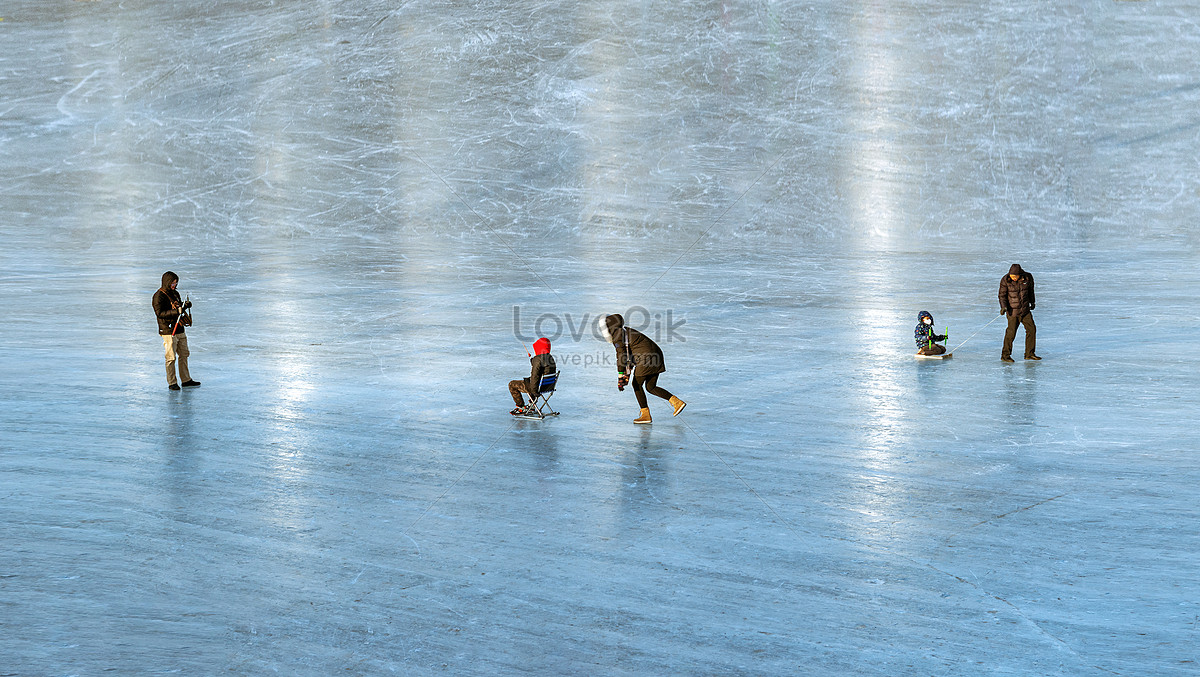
(947, 539)
(1061, 644)
(747, 484)
(1029, 621)
(1013, 512)
(484, 223)
(1014, 607)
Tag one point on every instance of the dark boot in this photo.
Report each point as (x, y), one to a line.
(174, 386)
(191, 384)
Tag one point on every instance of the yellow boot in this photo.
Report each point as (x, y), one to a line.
(678, 404)
(644, 418)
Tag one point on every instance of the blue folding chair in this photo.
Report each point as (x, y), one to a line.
(539, 403)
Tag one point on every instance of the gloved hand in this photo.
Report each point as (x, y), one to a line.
(622, 381)
(187, 304)
(1031, 306)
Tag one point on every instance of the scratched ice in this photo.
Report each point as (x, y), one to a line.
(360, 196)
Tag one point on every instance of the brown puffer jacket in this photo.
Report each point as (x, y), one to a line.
(163, 299)
(1016, 297)
(647, 357)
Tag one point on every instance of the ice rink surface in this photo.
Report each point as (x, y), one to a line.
(361, 196)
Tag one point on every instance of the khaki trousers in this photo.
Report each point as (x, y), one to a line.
(177, 353)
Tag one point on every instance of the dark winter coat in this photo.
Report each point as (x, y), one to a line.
(540, 364)
(636, 352)
(924, 332)
(167, 314)
(1016, 298)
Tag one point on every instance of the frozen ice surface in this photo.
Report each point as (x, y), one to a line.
(357, 194)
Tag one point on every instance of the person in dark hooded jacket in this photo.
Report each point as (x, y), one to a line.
(1017, 303)
(169, 308)
(927, 341)
(541, 364)
(638, 354)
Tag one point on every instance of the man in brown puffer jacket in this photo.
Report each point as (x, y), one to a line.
(638, 354)
(1017, 302)
(170, 309)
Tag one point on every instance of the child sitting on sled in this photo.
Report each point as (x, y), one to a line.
(541, 363)
(927, 341)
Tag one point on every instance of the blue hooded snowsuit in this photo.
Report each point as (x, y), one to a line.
(923, 334)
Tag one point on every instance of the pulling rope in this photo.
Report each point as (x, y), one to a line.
(977, 331)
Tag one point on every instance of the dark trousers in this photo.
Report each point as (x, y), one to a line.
(1011, 333)
(651, 383)
(515, 388)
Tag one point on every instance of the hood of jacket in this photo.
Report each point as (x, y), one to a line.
(1015, 269)
(922, 315)
(612, 327)
(541, 346)
(168, 278)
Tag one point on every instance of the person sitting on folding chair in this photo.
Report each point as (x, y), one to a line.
(542, 364)
(539, 404)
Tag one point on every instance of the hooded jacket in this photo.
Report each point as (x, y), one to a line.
(635, 351)
(541, 364)
(1016, 297)
(923, 334)
(166, 313)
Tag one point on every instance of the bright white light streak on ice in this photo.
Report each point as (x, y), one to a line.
(876, 211)
(288, 366)
(873, 153)
(611, 175)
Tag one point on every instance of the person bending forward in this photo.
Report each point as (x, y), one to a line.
(642, 357)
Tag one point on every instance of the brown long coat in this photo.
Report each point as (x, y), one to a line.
(646, 355)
